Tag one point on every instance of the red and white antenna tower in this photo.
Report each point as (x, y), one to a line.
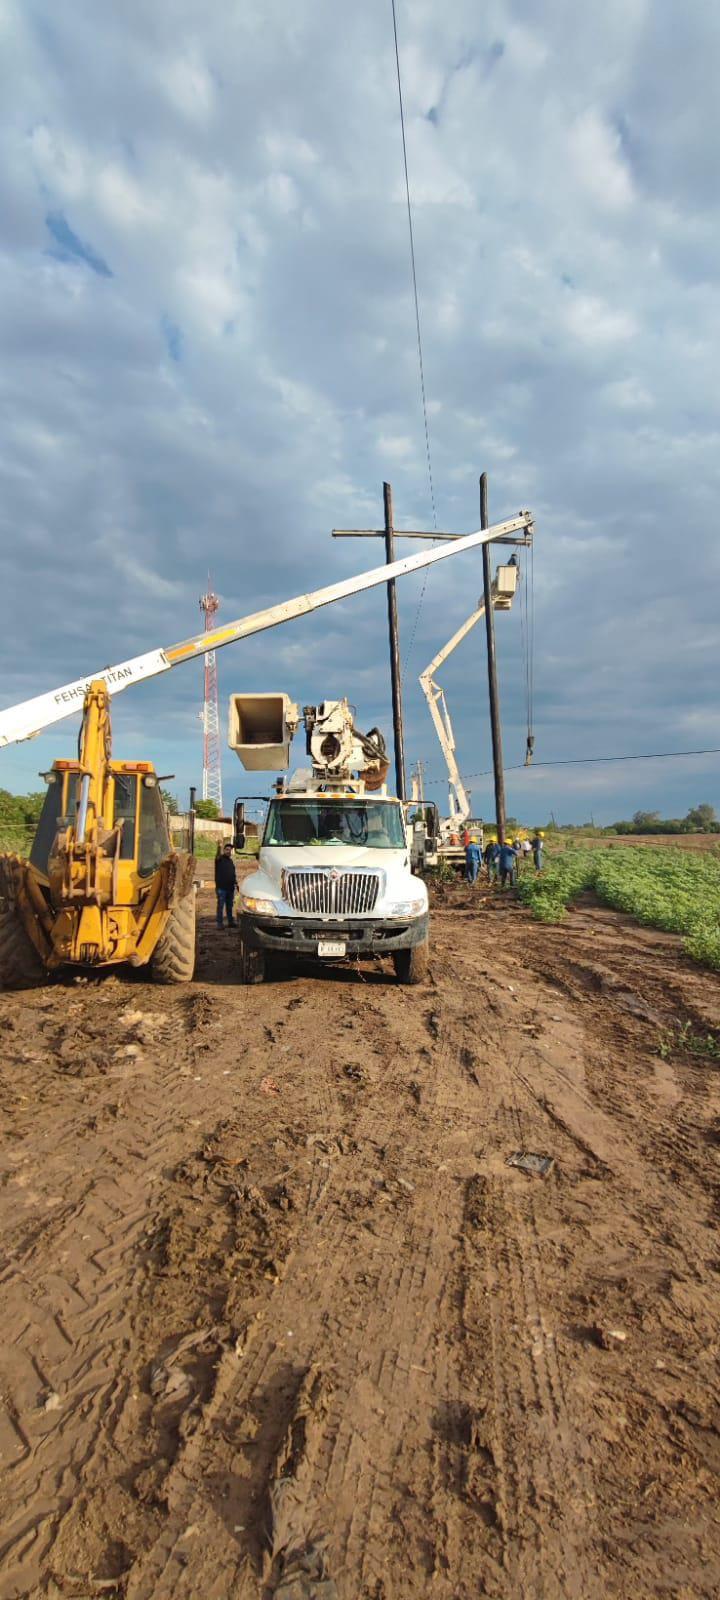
(212, 760)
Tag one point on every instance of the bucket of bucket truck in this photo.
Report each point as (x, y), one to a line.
(260, 730)
(505, 585)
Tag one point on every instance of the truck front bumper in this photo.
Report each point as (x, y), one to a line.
(299, 936)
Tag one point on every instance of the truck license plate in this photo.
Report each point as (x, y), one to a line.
(331, 947)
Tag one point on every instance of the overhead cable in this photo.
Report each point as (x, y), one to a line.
(421, 364)
(585, 761)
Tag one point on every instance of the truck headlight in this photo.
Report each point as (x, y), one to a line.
(406, 908)
(251, 902)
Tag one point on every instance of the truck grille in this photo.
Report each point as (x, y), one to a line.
(331, 892)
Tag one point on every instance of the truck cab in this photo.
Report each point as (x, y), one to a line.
(334, 882)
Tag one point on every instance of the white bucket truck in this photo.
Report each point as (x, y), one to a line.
(334, 880)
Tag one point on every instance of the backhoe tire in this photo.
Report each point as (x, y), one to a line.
(411, 966)
(252, 964)
(20, 964)
(173, 960)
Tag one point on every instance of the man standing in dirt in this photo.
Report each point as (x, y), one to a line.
(225, 885)
(492, 856)
(472, 859)
(508, 864)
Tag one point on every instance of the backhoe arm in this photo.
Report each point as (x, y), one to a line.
(95, 751)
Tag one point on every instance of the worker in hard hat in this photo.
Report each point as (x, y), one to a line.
(492, 856)
(507, 862)
(472, 859)
(538, 845)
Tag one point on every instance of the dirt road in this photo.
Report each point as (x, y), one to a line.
(280, 1321)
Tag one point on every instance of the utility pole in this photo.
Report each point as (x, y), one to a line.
(518, 536)
(395, 677)
(495, 727)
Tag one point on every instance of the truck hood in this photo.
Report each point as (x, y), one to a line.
(279, 859)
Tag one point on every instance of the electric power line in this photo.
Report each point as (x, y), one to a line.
(585, 761)
(417, 326)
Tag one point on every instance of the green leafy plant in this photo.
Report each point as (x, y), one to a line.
(684, 1039)
(444, 872)
(675, 890)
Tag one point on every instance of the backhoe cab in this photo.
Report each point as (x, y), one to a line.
(103, 884)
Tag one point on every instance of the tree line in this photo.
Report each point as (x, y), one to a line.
(699, 819)
(23, 811)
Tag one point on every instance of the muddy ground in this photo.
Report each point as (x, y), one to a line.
(280, 1321)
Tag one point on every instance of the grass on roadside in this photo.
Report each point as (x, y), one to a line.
(663, 888)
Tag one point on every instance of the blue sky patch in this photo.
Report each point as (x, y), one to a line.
(71, 248)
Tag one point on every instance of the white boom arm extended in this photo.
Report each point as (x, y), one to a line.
(459, 799)
(23, 721)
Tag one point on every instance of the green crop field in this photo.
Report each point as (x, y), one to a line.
(663, 888)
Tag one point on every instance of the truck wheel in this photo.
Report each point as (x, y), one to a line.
(411, 966)
(252, 964)
(20, 964)
(173, 960)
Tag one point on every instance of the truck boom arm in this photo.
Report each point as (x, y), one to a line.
(437, 705)
(24, 720)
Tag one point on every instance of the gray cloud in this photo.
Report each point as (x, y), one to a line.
(210, 359)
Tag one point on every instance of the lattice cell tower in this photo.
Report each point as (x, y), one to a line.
(212, 760)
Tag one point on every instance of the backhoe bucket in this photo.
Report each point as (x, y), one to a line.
(260, 730)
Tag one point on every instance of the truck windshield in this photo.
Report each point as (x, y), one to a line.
(376, 823)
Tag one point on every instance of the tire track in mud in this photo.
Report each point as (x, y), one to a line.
(73, 1281)
(533, 1490)
(337, 1347)
(375, 1433)
(221, 1173)
(656, 1242)
(66, 1326)
(318, 1315)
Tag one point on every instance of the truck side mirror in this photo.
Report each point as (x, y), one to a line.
(239, 825)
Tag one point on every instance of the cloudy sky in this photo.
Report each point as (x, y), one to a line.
(210, 361)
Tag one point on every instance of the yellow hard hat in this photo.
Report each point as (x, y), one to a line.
(540, 834)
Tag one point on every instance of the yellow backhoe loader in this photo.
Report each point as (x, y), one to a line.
(103, 884)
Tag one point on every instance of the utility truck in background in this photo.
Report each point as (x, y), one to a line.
(334, 879)
(437, 838)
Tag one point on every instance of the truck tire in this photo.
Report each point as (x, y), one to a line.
(20, 964)
(252, 964)
(411, 966)
(173, 960)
